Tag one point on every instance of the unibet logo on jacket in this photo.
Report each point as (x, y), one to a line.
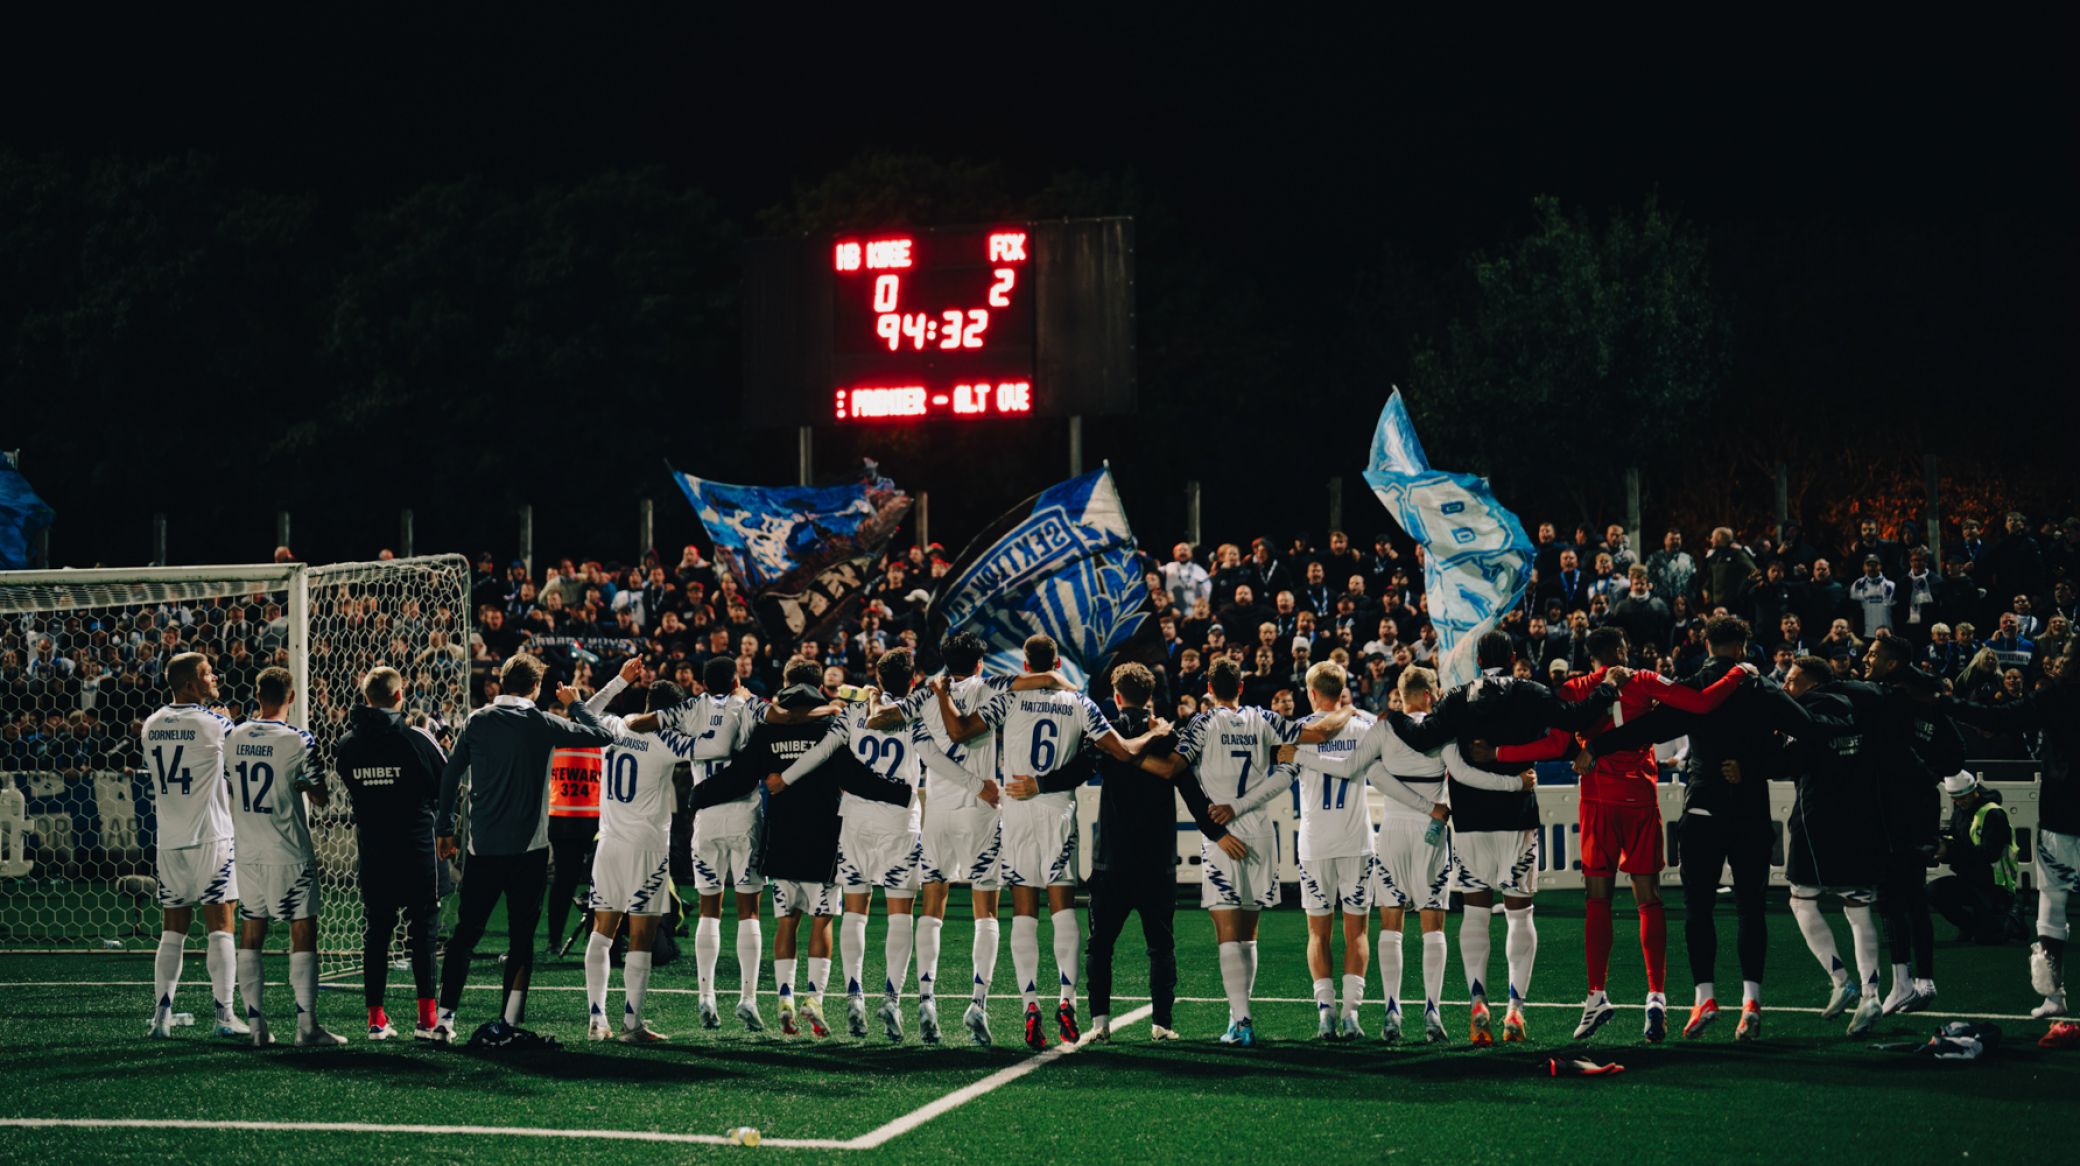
(574, 783)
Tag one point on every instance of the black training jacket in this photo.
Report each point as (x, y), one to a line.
(392, 772)
(1500, 710)
(1830, 841)
(800, 839)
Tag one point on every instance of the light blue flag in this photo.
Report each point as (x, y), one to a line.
(1062, 563)
(23, 516)
(1476, 556)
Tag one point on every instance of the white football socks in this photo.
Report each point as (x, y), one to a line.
(1353, 993)
(1473, 949)
(1068, 945)
(166, 973)
(1324, 994)
(707, 948)
(928, 928)
(895, 954)
(250, 981)
(983, 959)
(221, 955)
(751, 948)
(598, 962)
(1751, 993)
(783, 981)
(635, 984)
(1025, 956)
(1520, 947)
(1390, 970)
(1235, 980)
(1433, 968)
(1819, 937)
(852, 948)
(1705, 991)
(1249, 953)
(303, 981)
(819, 975)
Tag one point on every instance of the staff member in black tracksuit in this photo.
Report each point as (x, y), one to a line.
(505, 750)
(1829, 846)
(1725, 812)
(1135, 867)
(393, 777)
(1916, 747)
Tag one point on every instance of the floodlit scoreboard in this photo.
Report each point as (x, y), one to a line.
(1012, 320)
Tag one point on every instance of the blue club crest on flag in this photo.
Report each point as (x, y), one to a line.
(1064, 564)
(1476, 556)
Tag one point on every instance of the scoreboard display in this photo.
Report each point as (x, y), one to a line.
(1011, 320)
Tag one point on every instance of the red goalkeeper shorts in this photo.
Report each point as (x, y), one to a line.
(1626, 838)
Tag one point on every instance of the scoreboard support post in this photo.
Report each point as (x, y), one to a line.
(1336, 502)
(527, 537)
(281, 528)
(159, 540)
(646, 528)
(1632, 515)
(404, 533)
(1076, 445)
(924, 518)
(1191, 512)
(805, 456)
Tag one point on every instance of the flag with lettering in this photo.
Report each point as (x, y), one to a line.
(1476, 556)
(804, 554)
(1062, 563)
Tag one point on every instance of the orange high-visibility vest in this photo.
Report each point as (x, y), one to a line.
(574, 783)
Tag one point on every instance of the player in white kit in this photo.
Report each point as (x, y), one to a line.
(1335, 854)
(725, 837)
(631, 868)
(1039, 732)
(184, 762)
(1236, 748)
(271, 768)
(1411, 861)
(963, 832)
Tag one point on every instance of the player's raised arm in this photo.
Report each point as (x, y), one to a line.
(1554, 746)
(1692, 700)
(839, 736)
(962, 726)
(1367, 754)
(1466, 773)
(1323, 729)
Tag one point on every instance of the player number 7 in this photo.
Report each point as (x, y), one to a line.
(1242, 783)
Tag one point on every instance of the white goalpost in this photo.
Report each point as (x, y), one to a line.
(81, 654)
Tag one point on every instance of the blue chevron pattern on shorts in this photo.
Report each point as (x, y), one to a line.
(985, 864)
(2058, 873)
(639, 903)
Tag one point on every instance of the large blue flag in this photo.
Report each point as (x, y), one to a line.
(803, 553)
(1062, 563)
(23, 516)
(1476, 556)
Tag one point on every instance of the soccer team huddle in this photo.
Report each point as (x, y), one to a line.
(970, 778)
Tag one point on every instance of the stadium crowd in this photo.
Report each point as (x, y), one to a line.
(1991, 621)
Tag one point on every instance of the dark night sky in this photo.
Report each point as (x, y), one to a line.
(1290, 150)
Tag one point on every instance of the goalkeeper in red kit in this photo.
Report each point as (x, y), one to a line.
(1621, 820)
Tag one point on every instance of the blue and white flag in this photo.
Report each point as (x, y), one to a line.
(803, 553)
(23, 516)
(1062, 563)
(1476, 556)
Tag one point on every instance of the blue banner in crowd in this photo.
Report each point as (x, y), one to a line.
(803, 553)
(23, 516)
(1476, 556)
(765, 534)
(1062, 563)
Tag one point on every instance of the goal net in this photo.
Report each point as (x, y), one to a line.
(81, 659)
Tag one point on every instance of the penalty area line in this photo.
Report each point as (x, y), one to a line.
(872, 1139)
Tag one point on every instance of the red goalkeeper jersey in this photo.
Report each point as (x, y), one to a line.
(1625, 778)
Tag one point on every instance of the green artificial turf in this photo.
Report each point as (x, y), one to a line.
(1803, 1094)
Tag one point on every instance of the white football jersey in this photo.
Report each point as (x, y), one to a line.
(887, 753)
(635, 785)
(184, 759)
(267, 765)
(1234, 751)
(715, 728)
(1039, 732)
(1335, 821)
(977, 756)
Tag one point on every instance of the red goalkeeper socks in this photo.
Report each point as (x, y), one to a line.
(377, 1018)
(428, 1014)
(1598, 941)
(1653, 944)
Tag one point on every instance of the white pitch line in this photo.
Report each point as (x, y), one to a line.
(358, 1127)
(1673, 1008)
(959, 1097)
